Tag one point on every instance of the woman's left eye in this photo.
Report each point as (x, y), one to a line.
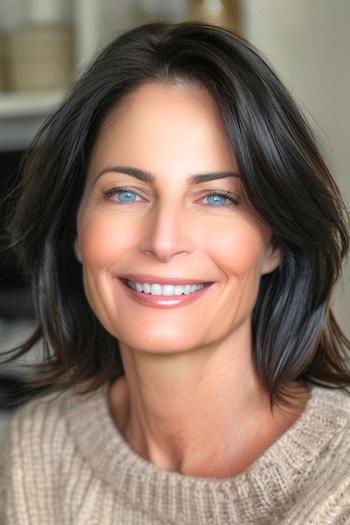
(128, 196)
(218, 197)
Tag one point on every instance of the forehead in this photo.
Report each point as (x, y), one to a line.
(155, 100)
(158, 123)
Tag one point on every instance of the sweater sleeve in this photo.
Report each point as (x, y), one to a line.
(335, 509)
(29, 464)
(5, 469)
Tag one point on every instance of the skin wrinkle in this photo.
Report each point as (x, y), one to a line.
(190, 392)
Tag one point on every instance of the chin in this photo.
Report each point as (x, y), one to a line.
(158, 344)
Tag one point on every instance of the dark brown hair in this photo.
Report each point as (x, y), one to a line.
(295, 334)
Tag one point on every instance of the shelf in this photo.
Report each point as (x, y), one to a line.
(21, 115)
(19, 105)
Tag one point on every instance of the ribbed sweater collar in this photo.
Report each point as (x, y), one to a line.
(266, 489)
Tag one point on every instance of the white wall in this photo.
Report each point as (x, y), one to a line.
(308, 42)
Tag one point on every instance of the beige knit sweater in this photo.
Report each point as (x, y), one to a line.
(64, 462)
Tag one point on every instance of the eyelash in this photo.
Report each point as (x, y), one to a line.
(232, 197)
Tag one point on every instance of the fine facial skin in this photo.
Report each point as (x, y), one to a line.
(190, 392)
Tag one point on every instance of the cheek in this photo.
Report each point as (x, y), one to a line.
(236, 247)
(102, 241)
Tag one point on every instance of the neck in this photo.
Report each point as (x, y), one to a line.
(179, 411)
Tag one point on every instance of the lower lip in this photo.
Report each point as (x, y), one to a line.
(164, 301)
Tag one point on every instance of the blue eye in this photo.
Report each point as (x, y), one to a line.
(120, 195)
(126, 196)
(217, 199)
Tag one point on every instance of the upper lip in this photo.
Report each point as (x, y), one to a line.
(147, 278)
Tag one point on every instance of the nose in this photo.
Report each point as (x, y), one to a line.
(166, 233)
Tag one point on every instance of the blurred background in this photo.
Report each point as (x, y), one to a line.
(45, 44)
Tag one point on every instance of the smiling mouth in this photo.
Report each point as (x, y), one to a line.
(154, 292)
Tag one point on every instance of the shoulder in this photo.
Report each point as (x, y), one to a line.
(330, 479)
(35, 433)
(30, 451)
(40, 456)
(334, 403)
(35, 428)
(40, 430)
(43, 424)
(38, 419)
(330, 419)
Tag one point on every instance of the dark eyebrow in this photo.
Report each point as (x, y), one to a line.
(146, 176)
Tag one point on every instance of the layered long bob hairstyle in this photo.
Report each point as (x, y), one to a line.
(295, 334)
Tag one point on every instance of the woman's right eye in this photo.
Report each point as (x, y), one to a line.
(121, 195)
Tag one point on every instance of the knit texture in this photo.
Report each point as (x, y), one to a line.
(65, 462)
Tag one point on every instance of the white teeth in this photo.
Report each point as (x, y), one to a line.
(166, 289)
(156, 289)
(147, 288)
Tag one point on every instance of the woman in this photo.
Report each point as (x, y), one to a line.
(184, 237)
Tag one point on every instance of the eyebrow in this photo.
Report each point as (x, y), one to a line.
(146, 176)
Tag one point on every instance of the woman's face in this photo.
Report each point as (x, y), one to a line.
(171, 227)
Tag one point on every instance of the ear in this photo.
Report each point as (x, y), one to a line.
(77, 249)
(273, 259)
